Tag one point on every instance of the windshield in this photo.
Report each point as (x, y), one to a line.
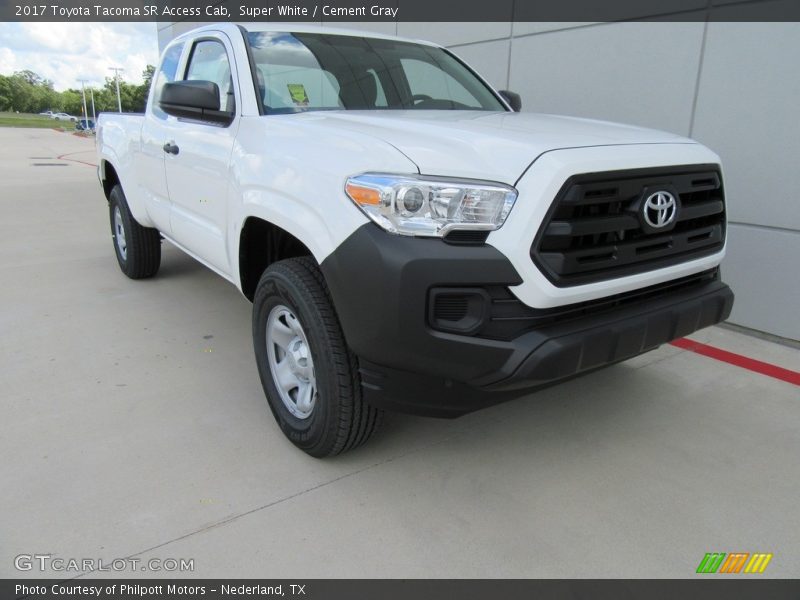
(310, 71)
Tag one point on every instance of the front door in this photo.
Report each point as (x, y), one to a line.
(198, 157)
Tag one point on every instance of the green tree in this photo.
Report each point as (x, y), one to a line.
(21, 94)
(144, 90)
(30, 77)
(5, 93)
(26, 91)
(127, 94)
(147, 75)
(72, 102)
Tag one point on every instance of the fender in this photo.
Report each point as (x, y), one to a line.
(268, 180)
(307, 225)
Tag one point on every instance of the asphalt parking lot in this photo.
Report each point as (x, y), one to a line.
(134, 425)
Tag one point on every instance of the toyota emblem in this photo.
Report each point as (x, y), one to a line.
(659, 209)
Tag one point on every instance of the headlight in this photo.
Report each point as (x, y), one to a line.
(430, 206)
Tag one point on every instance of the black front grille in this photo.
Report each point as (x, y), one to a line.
(595, 230)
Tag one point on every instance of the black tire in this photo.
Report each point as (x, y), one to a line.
(339, 419)
(141, 256)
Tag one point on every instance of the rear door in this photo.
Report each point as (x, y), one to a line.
(198, 160)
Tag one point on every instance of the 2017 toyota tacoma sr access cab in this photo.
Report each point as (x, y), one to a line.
(409, 240)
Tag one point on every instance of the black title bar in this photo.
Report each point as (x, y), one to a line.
(317, 11)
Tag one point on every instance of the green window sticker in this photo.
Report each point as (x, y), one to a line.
(298, 93)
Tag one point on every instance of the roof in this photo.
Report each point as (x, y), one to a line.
(292, 28)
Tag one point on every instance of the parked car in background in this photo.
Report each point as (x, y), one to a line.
(63, 117)
(47, 113)
(84, 125)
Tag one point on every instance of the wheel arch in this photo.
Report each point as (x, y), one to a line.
(262, 243)
(108, 177)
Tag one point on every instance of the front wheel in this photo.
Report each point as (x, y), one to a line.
(309, 375)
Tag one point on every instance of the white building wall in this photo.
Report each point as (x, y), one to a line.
(732, 86)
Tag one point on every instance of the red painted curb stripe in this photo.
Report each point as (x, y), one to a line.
(738, 360)
(75, 160)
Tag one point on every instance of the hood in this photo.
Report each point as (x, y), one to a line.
(483, 145)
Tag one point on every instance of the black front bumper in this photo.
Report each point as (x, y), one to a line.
(381, 283)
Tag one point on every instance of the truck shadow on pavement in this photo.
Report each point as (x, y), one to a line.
(608, 404)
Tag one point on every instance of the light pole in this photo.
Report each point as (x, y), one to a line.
(94, 115)
(116, 78)
(83, 91)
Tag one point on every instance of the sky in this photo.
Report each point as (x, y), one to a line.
(68, 52)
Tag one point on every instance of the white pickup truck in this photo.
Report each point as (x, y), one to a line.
(409, 240)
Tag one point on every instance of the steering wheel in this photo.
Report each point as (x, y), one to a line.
(420, 98)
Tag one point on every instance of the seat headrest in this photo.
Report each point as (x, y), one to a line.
(359, 92)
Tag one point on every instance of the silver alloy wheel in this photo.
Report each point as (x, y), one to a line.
(119, 234)
(290, 362)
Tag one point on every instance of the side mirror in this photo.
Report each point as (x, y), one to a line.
(513, 99)
(193, 100)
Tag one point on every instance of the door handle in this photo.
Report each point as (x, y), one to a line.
(171, 148)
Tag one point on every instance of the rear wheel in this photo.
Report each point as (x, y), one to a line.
(138, 248)
(309, 375)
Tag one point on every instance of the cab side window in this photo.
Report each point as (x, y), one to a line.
(209, 62)
(166, 74)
